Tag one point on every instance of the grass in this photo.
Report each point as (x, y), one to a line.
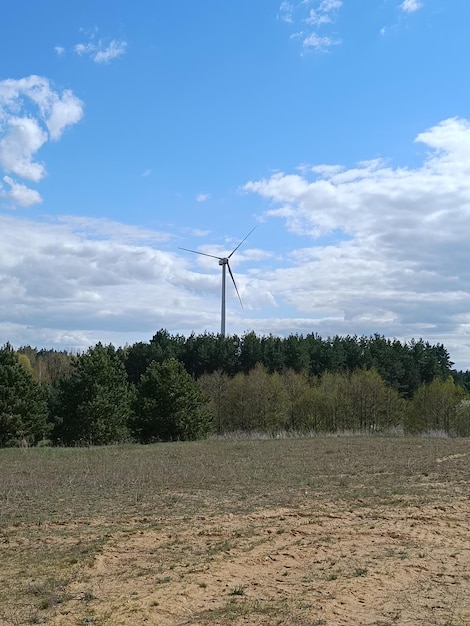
(57, 484)
(60, 508)
(239, 590)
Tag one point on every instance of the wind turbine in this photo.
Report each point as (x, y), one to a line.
(224, 262)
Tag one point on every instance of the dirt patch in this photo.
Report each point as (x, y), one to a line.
(328, 531)
(399, 564)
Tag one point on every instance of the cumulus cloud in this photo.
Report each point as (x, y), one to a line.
(389, 245)
(31, 113)
(69, 282)
(202, 197)
(22, 140)
(410, 6)
(64, 112)
(384, 249)
(66, 289)
(312, 16)
(18, 194)
(101, 51)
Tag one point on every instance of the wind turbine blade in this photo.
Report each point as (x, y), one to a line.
(234, 284)
(202, 253)
(241, 242)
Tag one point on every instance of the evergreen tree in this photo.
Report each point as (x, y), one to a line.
(23, 405)
(272, 353)
(170, 405)
(251, 352)
(93, 405)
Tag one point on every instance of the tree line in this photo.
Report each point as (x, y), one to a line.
(179, 388)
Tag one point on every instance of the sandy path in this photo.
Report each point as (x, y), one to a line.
(399, 564)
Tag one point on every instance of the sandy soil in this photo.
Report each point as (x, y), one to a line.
(385, 544)
(320, 564)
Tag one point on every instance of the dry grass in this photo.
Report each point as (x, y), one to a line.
(332, 530)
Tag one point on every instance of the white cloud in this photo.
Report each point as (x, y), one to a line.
(22, 139)
(202, 197)
(105, 229)
(324, 13)
(312, 16)
(101, 51)
(385, 249)
(389, 245)
(60, 51)
(31, 113)
(410, 6)
(112, 51)
(286, 11)
(18, 194)
(64, 111)
(319, 43)
(82, 48)
(60, 278)
(197, 232)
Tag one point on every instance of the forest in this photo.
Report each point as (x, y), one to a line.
(184, 388)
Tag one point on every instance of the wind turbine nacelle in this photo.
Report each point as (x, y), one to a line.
(223, 261)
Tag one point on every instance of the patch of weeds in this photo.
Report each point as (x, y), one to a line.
(49, 593)
(214, 531)
(202, 585)
(234, 609)
(308, 579)
(163, 580)
(230, 611)
(88, 596)
(332, 576)
(239, 590)
(222, 546)
(360, 571)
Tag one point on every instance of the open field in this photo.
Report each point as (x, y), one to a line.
(300, 532)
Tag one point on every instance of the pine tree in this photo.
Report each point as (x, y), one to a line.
(23, 405)
(170, 405)
(93, 406)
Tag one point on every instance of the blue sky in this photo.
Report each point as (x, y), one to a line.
(339, 128)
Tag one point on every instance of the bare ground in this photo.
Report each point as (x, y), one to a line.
(323, 560)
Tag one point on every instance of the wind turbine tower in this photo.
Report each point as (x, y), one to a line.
(225, 264)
